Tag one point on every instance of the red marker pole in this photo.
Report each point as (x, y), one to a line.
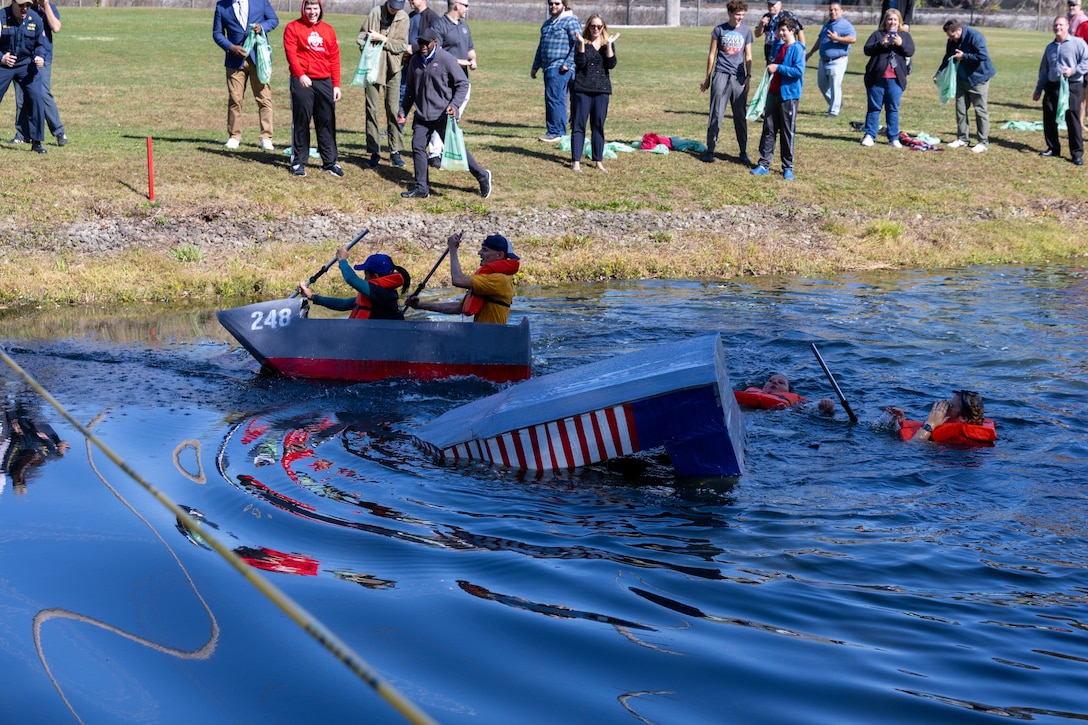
(150, 172)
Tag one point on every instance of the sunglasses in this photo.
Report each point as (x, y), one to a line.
(25, 6)
(596, 27)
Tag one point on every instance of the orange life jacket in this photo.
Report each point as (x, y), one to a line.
(472, 304)
(757, 398)
(955, 433)
(364, 305)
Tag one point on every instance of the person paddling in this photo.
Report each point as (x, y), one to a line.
(959, 420)
(491, 288)
(376, 298)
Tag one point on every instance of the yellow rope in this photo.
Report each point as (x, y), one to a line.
(335, 646)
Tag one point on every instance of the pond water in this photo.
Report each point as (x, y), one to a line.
(846, 578)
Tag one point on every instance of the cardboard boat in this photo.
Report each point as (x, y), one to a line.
(280, 335)
(675, 395)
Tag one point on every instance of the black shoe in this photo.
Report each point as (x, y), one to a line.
(397, 160)
(374, 160)
(416, 193)
(485, 184)
(17, 139)
(298, 170)
(62, 140)
(744, 159)
(707, 157)
(334, 169)
(37, 148)
(1078, 162)
(435, 162)
(1048, 152)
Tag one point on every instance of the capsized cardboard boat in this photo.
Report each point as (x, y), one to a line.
(675, 395)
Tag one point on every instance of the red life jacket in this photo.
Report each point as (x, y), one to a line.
(757, 398)
(364, 305)
(472, 304)
(957, 433)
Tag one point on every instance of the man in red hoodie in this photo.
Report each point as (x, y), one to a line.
(314, 58)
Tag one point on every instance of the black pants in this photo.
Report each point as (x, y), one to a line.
(421, 132)
(779, 119)
(314, 103)
(1072, 118)
(594, 108)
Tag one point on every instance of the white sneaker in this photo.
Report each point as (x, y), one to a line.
(232, 143)
(894, 143)
(958, 143)
(867, 141)
(979, 148)
(266, 145)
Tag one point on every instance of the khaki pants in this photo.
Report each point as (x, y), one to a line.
(375, 109)
(236, 91)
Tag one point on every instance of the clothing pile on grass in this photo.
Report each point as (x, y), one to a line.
(658, 144)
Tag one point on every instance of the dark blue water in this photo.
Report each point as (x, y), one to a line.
(847, 578)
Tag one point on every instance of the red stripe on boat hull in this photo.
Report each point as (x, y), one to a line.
(371, 370)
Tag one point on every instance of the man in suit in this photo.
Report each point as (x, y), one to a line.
(233, 19)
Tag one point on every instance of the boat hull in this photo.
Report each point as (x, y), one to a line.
(676, 395)
(284, 340)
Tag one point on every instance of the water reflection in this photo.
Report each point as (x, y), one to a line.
(26, 442)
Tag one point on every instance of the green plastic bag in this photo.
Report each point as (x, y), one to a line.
(946, 82)
(264, 53)
(366, 73)
(759, 100)
(1063, 102)
(454, 156)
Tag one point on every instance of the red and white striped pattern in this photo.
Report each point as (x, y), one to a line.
(568, 443)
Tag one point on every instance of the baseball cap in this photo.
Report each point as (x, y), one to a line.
(428, 35)
(395, 4)
(500, 244)
(380, 263)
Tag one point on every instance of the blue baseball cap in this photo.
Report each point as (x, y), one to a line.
(500, 244)
(379, 263)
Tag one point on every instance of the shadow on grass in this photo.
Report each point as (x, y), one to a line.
(533, 129)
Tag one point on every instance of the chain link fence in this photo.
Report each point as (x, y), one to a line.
(1018, 14)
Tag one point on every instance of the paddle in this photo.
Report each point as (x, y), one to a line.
(323, 270)
(421, 285)
(831, 379)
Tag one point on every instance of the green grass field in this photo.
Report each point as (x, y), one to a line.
(121, 75)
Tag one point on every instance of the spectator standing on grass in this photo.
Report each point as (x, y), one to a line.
(888, 48)
(974, 69)
(313, 55)
(594, 57)
(454, 37)
(783, 95)
(233, 19)
(728, 78)
(24, 50)
(421, 18)
(436, 89)
(833, 44)
(51, 17)
(1066, 56)
(769, 23)
(905, 8)
(387, 23)
(555, 56)
(1075, 16)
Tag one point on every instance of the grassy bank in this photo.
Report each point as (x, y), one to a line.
(121, 75)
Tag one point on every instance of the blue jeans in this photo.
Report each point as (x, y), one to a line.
(49, 104)
(829, 77)
(556, 91)
(884, 94)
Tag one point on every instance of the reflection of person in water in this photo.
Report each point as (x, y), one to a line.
(959, 420)
(23, 445)
(776, 394)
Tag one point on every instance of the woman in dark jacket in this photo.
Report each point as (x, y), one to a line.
(889, 49)
(591, 89)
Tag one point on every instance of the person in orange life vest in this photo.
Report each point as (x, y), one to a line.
(376, 297)
(960, 419)
(775, 395)
(491, 288)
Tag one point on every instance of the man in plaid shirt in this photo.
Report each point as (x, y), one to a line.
(555, 54)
